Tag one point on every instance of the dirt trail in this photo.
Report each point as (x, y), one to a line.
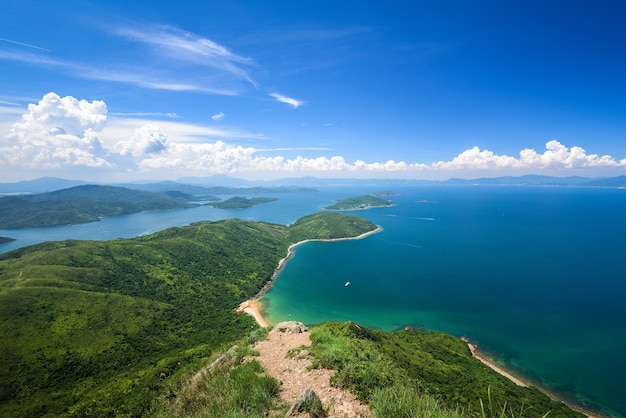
(295, 378)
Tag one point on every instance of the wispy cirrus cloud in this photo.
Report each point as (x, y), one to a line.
(24, 44)
(218, 116)
(289, 100)
(173, 60)
(175, 44)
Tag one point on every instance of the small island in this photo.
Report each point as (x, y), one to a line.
(4, 240)
(241, 202)
(387, 193)
(359, 203)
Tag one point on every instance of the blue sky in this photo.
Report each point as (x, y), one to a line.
(117, 90)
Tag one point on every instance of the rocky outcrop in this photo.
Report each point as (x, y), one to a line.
(290, 327)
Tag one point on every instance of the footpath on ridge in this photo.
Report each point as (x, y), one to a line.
(295, 375)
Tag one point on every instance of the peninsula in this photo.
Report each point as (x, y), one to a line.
(81, 204)
(360, 202)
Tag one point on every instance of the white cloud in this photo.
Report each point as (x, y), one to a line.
(290, 101)
(146, 141)
(68, 135)
(557, 156)
(57, 132)
(175, 44)
(218, 116)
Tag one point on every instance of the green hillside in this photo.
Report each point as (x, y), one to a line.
(391, 369)
(241, 202)
(359, 202)
(98, 328)
(79, 205)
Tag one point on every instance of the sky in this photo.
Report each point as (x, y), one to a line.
(122, 91)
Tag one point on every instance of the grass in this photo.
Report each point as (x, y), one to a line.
(415, 374)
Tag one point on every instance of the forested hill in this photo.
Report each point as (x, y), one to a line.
(80, 204)
(98, 328)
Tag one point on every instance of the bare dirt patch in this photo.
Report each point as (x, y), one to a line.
(295, 377)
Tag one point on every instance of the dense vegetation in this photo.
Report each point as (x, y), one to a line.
(99, 328)
(359, 202)
(408, 373)
(79, 205)
(241, 202)
(389, 369)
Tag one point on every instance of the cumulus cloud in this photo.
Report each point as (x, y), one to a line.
(64, 133)
(57, 132)
(556, 156)
(290, 101)
(146, 141)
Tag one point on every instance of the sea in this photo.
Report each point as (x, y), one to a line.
(535, 275)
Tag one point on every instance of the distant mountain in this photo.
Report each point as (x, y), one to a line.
(223, 184)
(39, 185)
(80, 204)
(207, 191)
(619, 181)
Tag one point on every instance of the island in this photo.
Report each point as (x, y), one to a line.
(4, 240)
(241, 202)
(360, 202)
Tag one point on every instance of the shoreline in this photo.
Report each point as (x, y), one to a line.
(520, 382)
(252, 306)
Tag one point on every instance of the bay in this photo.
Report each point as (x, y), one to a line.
(535, 275)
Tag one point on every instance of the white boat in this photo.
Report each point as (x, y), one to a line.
(347, 284)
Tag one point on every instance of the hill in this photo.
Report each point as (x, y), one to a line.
(80, 204)
(100, 328)
(353, 371)
(360, 202)
(241, 202)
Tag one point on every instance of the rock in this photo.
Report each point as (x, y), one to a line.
(209, 369)
(290, 327)
(307, 402)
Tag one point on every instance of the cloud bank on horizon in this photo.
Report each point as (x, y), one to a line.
(61, 135)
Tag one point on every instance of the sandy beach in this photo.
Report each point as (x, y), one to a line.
(252, 306)
(486, 361)
(474, 349)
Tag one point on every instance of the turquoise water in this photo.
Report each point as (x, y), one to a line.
(536, 276)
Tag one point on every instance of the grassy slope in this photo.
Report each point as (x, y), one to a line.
(435, 364)
(98, 327)
(359, 202)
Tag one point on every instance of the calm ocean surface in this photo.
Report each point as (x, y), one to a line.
(535, 275)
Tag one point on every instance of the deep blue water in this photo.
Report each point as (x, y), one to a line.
(535, 275)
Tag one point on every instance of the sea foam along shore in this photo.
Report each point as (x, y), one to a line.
(252, 306)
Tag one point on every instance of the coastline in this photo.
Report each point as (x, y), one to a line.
(253, 307)
(493, 366)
